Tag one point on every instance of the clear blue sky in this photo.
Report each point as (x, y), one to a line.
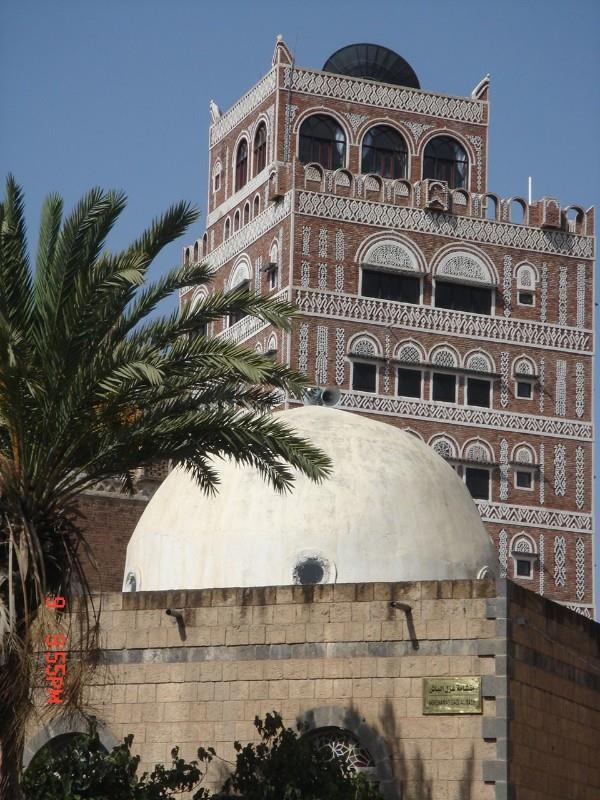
(115, 93)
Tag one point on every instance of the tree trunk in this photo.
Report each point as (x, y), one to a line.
(14, 701)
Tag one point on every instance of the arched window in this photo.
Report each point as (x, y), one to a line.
(246, 213)
(241, 165)
(384, 152)
(236, 220)
(195, 252)
(446, 160)
(186, 256)
(322, 140)
(227, 229)
(260, 148)
(204, 244)
(256, 210)
(335, 743)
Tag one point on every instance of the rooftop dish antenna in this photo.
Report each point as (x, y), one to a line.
(327, 396)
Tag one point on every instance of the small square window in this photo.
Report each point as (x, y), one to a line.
(523, 479)
(523, 568)
(525, 298)
(444, 387)
(524, 390)
(409, 383)
(478, 392)
(364, 377)
(478, 482)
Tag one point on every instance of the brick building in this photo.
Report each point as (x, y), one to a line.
(430, 302)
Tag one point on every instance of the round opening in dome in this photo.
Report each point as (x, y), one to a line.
(374, 62)
(309, 572)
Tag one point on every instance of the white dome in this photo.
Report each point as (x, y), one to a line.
(393, 510)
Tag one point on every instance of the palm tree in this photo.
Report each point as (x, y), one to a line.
(93, 386)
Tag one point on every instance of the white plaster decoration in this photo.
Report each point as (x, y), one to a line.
(305, 274)
(417, 194)
(560, 561)
(321, 356)
(339, 277)
(355, 120)
(523, 544)
(534, 517)
(560, 470)
(524, 366)
(479, 453)
(585, 611)
(243, 329)
(560, 396)
(579, 478)
(468, 415)
(409, 354)
(257, 274)
(323, 242)
(581, 292)
(445, 448)
(352, 209)
(386, 367)
(371, 93)
(477, 146)
(544, 296)
(372, 184)
(303, 348)
(342, 179)
(340, 356)
(271, 115)
(562, 296)
(542, 474)
(507, 285)
(542, 564)
(391, 255)
(523, 455)
(306, 240)
(243, 107)
(322, 276)
(364, 347)
(232, 201)
(239, 276)
(443, 357)
(459, 199)
(479, 362)
(417, 129)
(504, 357)
(542, 384)
(340, 246)
(290, 113)
(329, 181)
(503, 469)
(464, 266)
(312, 173)
(579, 389)
(579, 569)
(503, 552)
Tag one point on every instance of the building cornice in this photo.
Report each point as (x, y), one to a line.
(535, 516)
(244, 106)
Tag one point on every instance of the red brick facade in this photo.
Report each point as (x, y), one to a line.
(320, 228)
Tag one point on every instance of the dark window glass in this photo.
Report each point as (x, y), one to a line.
(241, 165)
(238, 315)
(227, 229)
(217, 181)
(445, 160)
(390, 286)
(478, 392)
(409, 382)
(523, 568)
(525, 298)
(384, 152)
(524, 390)
(444, 387)
(364, 377)
(246, 213)
(478, 482)
(260, 148)
(524, 479)
(460, 297)
(323, 141)
(256, 205)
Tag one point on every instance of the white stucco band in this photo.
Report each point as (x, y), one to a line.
(393, 510)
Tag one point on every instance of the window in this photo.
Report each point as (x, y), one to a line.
(446, 160)
(256, 209)
(238, 315)
(478, 392)
(217, 180)
(457, 296)
(260, 148)
(273, 278)
(390, 286)
(478, 482)
(246, 213)
(523, 568)
(384, 152)
(525, 298)
(409, 382)
(524, 390)
(524, 479)
(322, 140)
(364, 377)
(227, 229)
(444, 387)
(236, 221)
(241, 165)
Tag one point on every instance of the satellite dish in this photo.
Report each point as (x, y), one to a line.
(330, 396)
(312, 397)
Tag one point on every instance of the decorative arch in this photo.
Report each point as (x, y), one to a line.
(446, 156)
(313, 172)
(479, 361)
(525, 367)
(272, 344)
(523, 543)
(489, 207)
(342, 178)
(444, 355)
(387, 122)
(216, 175)
(393, 252)
(403, 188)
(364, 344)
(60, 726)
(274, 252)
(413, 432)
(527, 276)
(236, 221)
(518, 203)
(322, 144)
(464, 264)
(409, 352)
(241, 161)
(200, 293)
(525, 454)
(260, 135)
(478, 451)
(240, 273)
(373, 183)
(460, 199)
(445, 446)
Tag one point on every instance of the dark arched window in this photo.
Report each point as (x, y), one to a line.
(260, 148)
(323, 141)
(256, 206)
(241, 165)
(227, 230)
(384, 152)
(236, 220)
(446, 160)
